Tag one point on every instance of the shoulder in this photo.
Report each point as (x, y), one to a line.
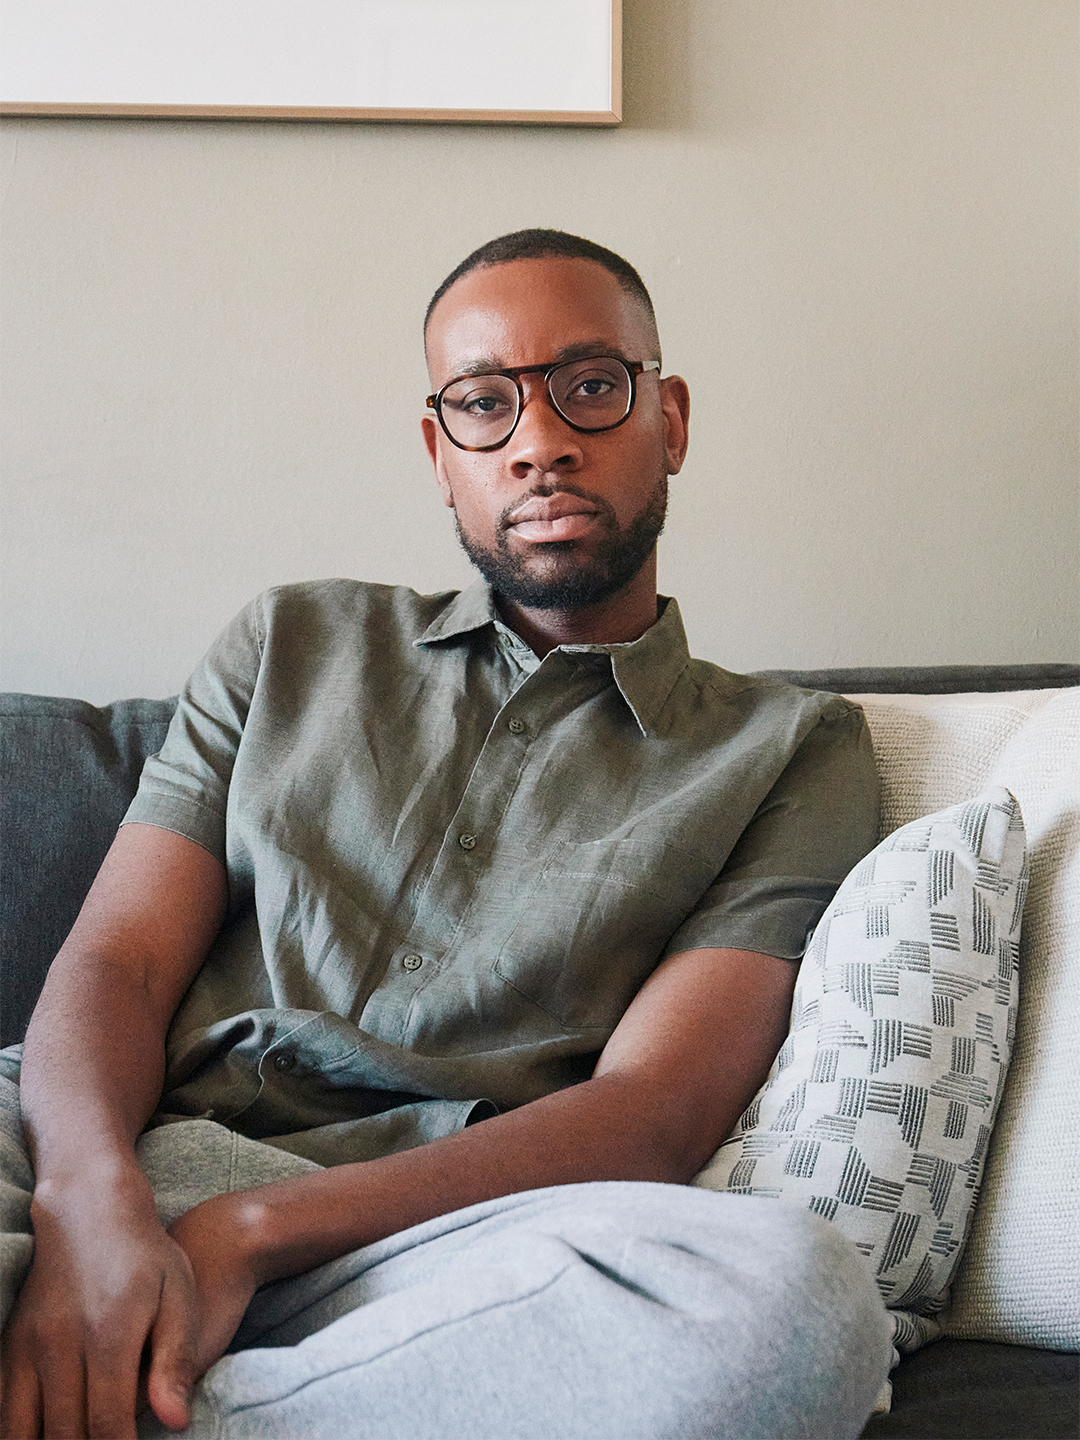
(349, 604)
(761, 699)
(295, 636)
(343, 612)
(678, 691)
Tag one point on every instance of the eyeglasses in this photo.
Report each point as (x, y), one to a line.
(481, 412)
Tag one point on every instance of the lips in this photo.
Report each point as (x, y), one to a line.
(553, 517)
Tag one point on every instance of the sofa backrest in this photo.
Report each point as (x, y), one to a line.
(68, 771)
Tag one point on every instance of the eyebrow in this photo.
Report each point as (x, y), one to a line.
(487, 364)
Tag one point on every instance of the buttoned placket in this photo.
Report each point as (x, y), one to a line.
(548, 693)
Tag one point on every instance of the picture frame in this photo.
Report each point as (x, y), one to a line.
(549, 62)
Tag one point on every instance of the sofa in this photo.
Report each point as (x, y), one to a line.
(1006, 1364)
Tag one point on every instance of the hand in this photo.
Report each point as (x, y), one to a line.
(106, 1284)
(216, 1238)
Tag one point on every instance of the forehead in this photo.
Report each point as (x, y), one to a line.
(528, 312)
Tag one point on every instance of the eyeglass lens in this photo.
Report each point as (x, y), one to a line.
(593, 394)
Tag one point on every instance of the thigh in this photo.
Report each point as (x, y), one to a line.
(617, 1310)
(191, 1160)
(184, 1163)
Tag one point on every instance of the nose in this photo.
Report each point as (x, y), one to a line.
(542, 443)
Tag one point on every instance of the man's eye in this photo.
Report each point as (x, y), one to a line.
(588, 389)
(478, 404)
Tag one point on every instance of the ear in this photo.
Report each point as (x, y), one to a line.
(433, 441)
(675, 404)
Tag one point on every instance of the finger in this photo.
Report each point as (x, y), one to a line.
(173, 1361)
(111, 1384)
(20, 1402)
(63, 1391)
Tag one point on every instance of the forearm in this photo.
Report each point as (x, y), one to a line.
(107, 1283)
(575, 1135)
(92, 1070)
(682, 1065)
(94, 1059)
(604, 1129)
(105, 1274)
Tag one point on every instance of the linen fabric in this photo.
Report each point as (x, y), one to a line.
(879, 1107)
(452, 866)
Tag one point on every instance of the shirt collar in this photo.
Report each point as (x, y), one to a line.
(468, 610)
(645, 670)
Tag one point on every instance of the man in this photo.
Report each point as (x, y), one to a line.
(439, 902)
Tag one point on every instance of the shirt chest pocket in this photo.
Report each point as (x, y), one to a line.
(594, 923)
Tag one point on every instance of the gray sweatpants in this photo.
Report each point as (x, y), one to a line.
(605, 1311)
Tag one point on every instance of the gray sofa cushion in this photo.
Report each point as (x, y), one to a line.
(68, 771)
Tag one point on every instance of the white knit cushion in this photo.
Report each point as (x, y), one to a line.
(877, 1111)
(1020, 1278)
(935, 750)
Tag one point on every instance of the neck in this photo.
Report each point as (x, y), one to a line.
(621, 618)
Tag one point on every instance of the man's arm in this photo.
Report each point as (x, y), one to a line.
(685, 1060)
(105, 1276)
(688, 1056)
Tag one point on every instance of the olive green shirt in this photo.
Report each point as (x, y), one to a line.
(452, 865)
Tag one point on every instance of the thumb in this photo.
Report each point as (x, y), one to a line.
(173, 1365)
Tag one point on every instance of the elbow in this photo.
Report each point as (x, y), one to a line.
(663, 1137)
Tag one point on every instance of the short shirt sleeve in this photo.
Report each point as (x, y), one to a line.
(818, 820)
(185, 786)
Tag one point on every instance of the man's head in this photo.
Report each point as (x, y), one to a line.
(564, 512)
(543, 245)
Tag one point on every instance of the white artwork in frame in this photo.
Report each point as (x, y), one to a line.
(525, 61)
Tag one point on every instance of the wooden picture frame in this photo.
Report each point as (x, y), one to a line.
(549, 62)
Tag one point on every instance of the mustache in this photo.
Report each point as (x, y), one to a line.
(564, 487)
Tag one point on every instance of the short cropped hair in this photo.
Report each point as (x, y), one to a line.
(538, 245)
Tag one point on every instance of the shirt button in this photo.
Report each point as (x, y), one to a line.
(467, 842)
(516, 726)
(413, 962)
(285, 1061)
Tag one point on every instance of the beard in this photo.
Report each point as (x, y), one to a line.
(576, 576)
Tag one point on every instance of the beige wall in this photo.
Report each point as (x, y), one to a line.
(858, 220)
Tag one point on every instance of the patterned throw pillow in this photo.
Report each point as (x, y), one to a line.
(878, 1108)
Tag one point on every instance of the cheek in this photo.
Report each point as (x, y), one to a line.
(640, 470)
(476, 498)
